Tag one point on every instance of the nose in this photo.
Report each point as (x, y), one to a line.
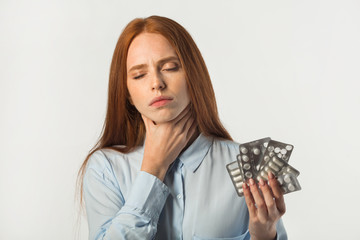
(157, 82)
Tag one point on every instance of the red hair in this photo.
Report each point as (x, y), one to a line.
(123, 123)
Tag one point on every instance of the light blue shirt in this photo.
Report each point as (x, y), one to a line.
(196, 200)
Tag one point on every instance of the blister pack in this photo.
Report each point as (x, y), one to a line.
(289, 183)
(278, 167)
(279, 149)
(258, 158)
(250, 157)
(236, 177)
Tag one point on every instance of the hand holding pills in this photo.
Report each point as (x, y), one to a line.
(259, 158)
(262, 174)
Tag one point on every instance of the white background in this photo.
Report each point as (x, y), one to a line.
(284, 69)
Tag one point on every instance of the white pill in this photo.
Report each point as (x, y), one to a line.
(266, 158)
(263, 174)
(285, 157)
(245, 158)
(281, 182)
(235, 172)
(279, 155)
(271, 154)
(240, 190)
(248, 174)
(288, 147)
(247, 166)
(239, 184)
(238, 157)
(291, 187)
(265, 144)
(287, 178)
(274, 166)
(277, 150)
(266, 169)
(277, 161)
(270, 148)
(283, 151)
(238, 179)
(243, 150)
(256, 151)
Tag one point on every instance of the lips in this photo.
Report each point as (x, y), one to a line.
(160, 99)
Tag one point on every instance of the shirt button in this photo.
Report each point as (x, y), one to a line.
(179, 196)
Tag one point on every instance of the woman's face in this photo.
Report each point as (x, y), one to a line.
(155, 78)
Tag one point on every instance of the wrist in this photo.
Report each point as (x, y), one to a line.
(158, 171)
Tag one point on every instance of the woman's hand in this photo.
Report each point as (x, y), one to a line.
(165, 141)
(265, 209)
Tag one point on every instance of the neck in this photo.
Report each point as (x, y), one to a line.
(191, 140)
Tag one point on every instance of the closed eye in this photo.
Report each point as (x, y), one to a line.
(171, 69)
(139, 76)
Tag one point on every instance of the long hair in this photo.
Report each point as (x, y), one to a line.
(123, 123)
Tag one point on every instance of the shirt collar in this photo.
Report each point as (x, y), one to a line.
(193, 156)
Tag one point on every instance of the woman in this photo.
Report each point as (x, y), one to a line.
(158, 170)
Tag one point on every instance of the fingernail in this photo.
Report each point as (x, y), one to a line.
(271, 175)
(261, 181)
(251, 181)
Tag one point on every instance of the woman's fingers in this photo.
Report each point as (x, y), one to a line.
(278, 194)
(269, 199)
(259, 201)
(249, 200)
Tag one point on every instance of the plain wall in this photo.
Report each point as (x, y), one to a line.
(284, 69)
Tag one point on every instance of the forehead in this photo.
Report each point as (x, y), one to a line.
(148, 47)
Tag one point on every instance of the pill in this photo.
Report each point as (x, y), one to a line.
(235, 172)
(287, 178)
(247, 166)
(285, 157)
(256, 151)
(279, 155)
(288, 147)
(245, 158)
(277, 150)
(291, 187)
(265, 144)
(274, 166)
(238, 157)
(258, 178)
(239, 184)
(240, 190)
(263, 174)
(266, 158)
(244, 150)
(271, 154)
(238, 178)
(248, 174)
(283, 151)
(290, 170)
(277, 161)
(281, 182)
(270, 148)
(266, 169)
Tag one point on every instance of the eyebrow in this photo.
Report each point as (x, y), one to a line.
(161, 62)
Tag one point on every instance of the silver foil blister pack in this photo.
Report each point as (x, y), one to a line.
(257, 158)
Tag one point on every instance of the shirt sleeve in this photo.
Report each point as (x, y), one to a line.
(109, 215)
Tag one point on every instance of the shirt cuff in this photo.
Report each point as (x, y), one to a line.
(147, 197)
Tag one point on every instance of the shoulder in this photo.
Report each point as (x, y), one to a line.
(226, 144)
(107, 159)
(226, 150)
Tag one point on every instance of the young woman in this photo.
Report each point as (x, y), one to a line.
(159, 168)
